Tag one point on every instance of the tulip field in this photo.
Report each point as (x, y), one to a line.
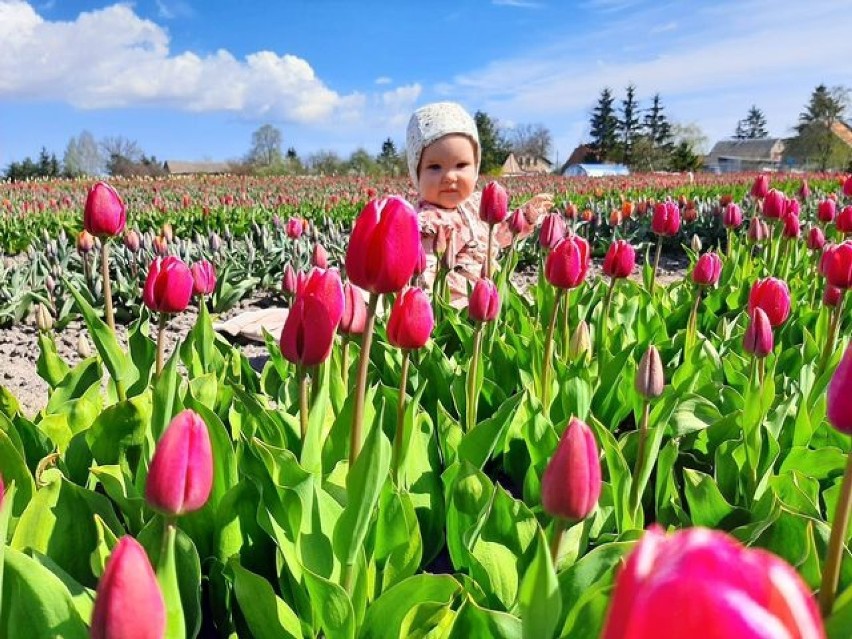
(602, 454)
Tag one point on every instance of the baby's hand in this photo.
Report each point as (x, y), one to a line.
(536, 207)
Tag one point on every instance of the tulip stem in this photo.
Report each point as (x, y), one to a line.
(832, 335)
(488, 254)
(747, 436)
(548, 352)
(344, 362)
(729, 246)
(168, 579)
(303, 401)
(635, 492)
(605, 314)
(110, 320)
(161, 341)
(559, 526)
(400, 415)
(692, 325)
(831, 572)
(656, 264)
(361, 381)
(565, 335)
(472, 374)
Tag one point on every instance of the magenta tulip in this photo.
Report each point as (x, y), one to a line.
(847, 186)
(773, 296)
(816, 238)
(494, 205)
(354, 317)
(832, 295)
(319, 258)
(732, 216)
(844, 220)
(758, 338)
(837, 265)
(757, 230)
(181, 473)
(840, 395)
(203, 278)
(295, 227)
(665, 220)
(384, 246)
(826, 210)
(411, 319)
(804, 191)
(169, 285)
(105, 214)
(792, 228)
(310, 327)
(128, 603)
(552, 231)
(518, 223)
(703, 583)
(760, 187)
(484, 303)
(707, 270)
(619, 260)
(571, 483)
(567, 264)
(290, 281)
(774, 204)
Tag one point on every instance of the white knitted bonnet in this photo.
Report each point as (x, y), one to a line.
(434, 121)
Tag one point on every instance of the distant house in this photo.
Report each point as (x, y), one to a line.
(595, 170)
(526, 165)
(177, 167)
(729, 156)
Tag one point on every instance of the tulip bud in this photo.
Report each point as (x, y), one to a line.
(758, 339)
(518, 223)
(760, 187)
(839, 411)
(773, 204)
(826, 210)
(836, 264)
(567, 264)
(104, 214)
(422, 262)
(695, 243)
(707, 270)
(757, 230)
(310, 327)
(666, 219)
(791, 226)
(215, 242)
(732, 216)
(844, 220)
(494, 204)
(160, 245)
(203, 278)
(484, 303)
(804, 190)
(131, 240)
(354, 318)
(44, 320)
(50, 283)
(832, 295)
(847, 186)
(83, 348)
(619, 260)
(439, 242)
(294, 228)
(552, 231)
(411, 320)
(289, 283)
(320, 256)
(649, 376)
(816, 238)
(580, 344)
(384, 246)
(448, 258)
(129, 603)
(167, 232)
(85, 242)
(180, 476)
(168, 287)
(571, 483)
(773, 296)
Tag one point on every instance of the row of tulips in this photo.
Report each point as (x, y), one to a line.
(315, 511)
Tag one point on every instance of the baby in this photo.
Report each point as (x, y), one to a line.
(442, 145)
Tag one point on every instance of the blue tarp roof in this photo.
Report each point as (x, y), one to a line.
(597, 170)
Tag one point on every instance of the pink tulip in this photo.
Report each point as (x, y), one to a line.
(411, 320)
(804, 191)
(552, 231)
(567, 264)
(295, 227)
(384, 246)
(757, 230)
(203, 278)
(773, 205)
(310, 327)
(571, 483)
(816, 238)
(847, 186)
(826, 210)
(422, 262)
(181, 473)
(105, 214)
(760, 187)
(703, 583)
(132, 241)
(773, 296)
(319, 258)
(494, 205)
(169, 285)
(484, 303)
(732, 216)
(128, 602)
(844, 220)
(290, 281)
(707, 270)
(758, 338)
(791, 207)
(518, 223)
(840, 395)
(619, 260)
(832, 295)
(85, 242)
(354, 318)
(665, 220)
(792, 229)
(837, 265)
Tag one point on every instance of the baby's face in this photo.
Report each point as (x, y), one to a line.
(447, 172)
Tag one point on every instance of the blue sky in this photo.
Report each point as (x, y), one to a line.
(192, 79)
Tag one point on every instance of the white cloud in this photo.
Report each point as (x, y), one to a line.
(383, 79)
(170, 10)
(521, 4)
(112, 58)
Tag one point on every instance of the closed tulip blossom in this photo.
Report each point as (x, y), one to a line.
(758, 231)
(518, 223)
(666, 219)
(354, 316)
(552, 231)
(484, 303)
(180, 476)
(411, 320)
(384, 246)
(732, 216)
(290, 281)
(620, 259)
(568, 263)
(203, 278)
(773, 296)
(105, 213)
(319, 257)
(804, 191)
(85, 242)
(294, 228)
(168, 287)
(760, 187)
(707, 270)
(494, 205)
(705, 584)
(826, 210)
(832, 295)
(843, 222)
(128, 603)
(837, 265)
(847, 186)
(774, 205)
(571, 483)
(310, 327)
(758, 339)
(791, 207)
(816, 238)
(792, 228)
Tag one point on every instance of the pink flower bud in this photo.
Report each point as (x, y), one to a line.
(295, 227)
(816, 238)
(760, 187)
(422, 263)
(128, 602)
(847, 186)
(494, 205)
(826, 210)
(844, 220)
(310, 327)
(619, 260)
(832, 295)
(707, 270)
(791, 226)
(732, 216)
(728, 589)
(791, 207)
(518, 222)
(104, 213)
(665, 220)
(840, 394)
(484, 303)
(85, 242)
(181, 473)
(804, 191)
(758, 339)
(757, 230)
(354, 318)
(131, 241)
(571, 483)
(411, 320)
(289, 283)
(203, 278)
(773, 204)
(773, 296)
(567, 264)
(552, 231)
(650, 378)
(837, 265)
(320, 256)
(169, 285)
